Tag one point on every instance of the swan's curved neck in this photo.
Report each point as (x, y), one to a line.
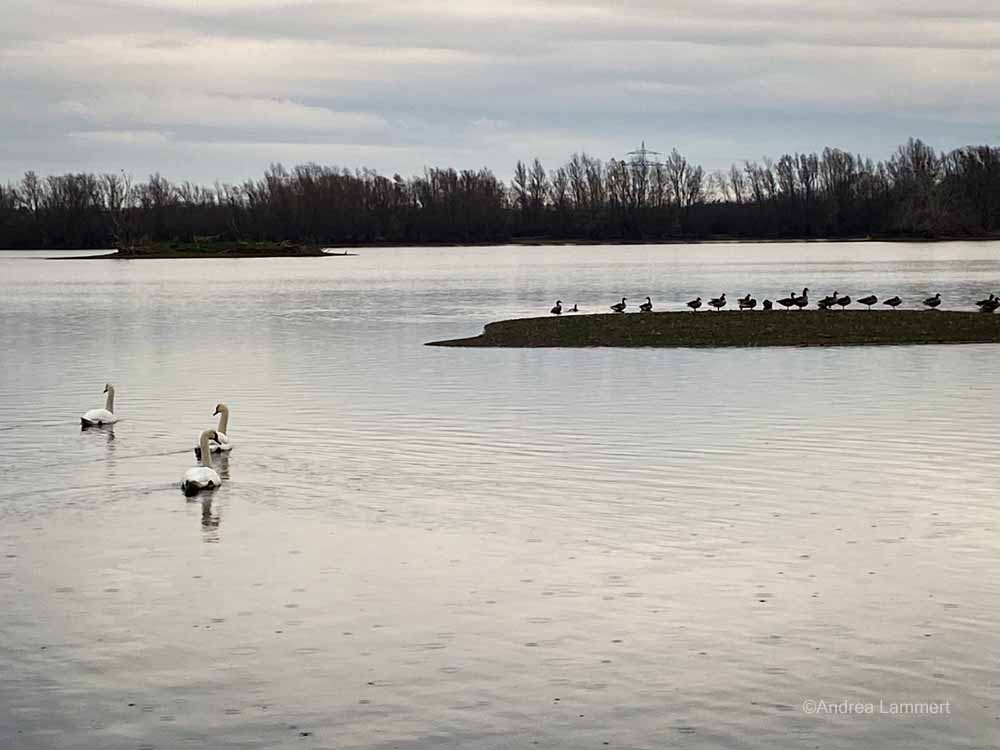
(206, 449)
(224, 419)
(110, 404)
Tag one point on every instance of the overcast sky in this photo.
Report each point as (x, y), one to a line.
(218, 89)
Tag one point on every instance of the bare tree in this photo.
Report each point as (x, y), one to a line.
(538, 186)
(118, 196)
(561, 196)
(520, 186)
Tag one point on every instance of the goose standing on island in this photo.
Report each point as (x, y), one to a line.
(827, 302)
(646, 306)
(220, 443)
(718, 302)
(619, 307)
(844, 301)
(202, 477)
(933, 302)
(868, 301)
(99, 417)
(802, 301)
(787, 302)
(695, 304)
(986, 302)
(893, 302)
(557, 310)
(747, 303)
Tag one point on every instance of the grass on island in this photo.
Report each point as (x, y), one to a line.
(219, 249)
(731, 328)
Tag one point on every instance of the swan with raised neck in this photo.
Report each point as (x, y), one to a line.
(202, 477)
(99, 417)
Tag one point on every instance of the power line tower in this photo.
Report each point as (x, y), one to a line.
(644, 158)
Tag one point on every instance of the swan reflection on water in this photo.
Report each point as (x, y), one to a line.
(211, 516)
(106, 429)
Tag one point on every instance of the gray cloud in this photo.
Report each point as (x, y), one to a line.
(217, 89)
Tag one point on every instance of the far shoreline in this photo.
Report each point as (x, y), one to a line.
(294, 250)
(713, 240)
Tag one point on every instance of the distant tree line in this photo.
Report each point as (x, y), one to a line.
(917, 192)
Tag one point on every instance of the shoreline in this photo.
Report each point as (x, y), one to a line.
(709, 329)
(289, 250)
(713, 240)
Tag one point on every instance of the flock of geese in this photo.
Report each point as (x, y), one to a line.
(800, 301)
(197, 478)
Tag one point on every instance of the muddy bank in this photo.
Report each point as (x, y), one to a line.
(731, 328)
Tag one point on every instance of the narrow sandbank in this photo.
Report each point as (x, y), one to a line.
(732, 328)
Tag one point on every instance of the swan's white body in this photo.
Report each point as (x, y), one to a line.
(202, 477)
(220, 443)
(98, 417)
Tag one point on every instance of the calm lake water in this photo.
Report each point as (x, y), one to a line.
(455, 548)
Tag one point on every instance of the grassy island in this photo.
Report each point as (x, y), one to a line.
(731, 328)
(217, 249)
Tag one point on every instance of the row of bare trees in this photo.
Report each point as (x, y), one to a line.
(916, 192)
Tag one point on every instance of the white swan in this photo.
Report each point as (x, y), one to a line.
(202, 477)
(220, 443)
(98, 417)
